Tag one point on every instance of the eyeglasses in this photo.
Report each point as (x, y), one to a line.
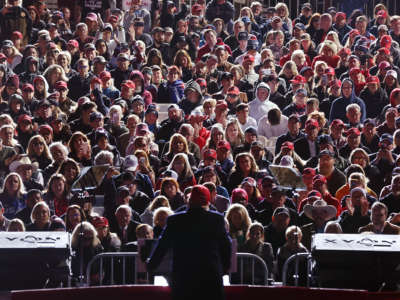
(83, 67)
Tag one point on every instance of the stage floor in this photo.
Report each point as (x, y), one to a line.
(239, 292)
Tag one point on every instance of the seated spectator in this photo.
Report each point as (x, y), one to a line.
(293, 245)
(320, 213)
(147, 216)
(73, 216)
(12, 195)
(40, 218)
(16, 225)
(160, 220)
(379, 223)
(239, 223)
(109, 240)
(357, 213)
(255, 245)
(87, 246)
(124, 227)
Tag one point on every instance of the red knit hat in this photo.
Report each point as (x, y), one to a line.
(199, 196)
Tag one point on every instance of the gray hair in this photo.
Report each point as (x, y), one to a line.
(353, 106)
(61, 146)
(103, 158)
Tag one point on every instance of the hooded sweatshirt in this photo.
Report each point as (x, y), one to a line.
(338, 108)
(258, 108)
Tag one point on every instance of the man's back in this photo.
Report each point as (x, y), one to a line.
(201, 252)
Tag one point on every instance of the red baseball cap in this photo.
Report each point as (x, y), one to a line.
(298, 79)
(28, 87)
(312, 122)
(249, 57)
(233, 90)
(224, 144)
(288, 144)
(99, 222)
(386, 41)
(239, 194)
(319, 177)
(129, 84)
(354, 32)
(17, 34)
(61, 85)
(24, 117)
(105, 75)
(341, 14)
(373, 79)
(45, 127)
(199, 196)
(355, 71)
(337, 122)
(73, 43)
(221, 104)
(352, 131)
(210, 153)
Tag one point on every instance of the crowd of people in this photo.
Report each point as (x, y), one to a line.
(245, 88)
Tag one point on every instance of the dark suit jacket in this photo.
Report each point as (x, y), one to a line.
(302, 149)
(131, 231)
(201, 251)
(387, 229)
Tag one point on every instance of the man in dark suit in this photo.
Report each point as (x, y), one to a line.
(201, 249)
(306, 147)
(124, 226)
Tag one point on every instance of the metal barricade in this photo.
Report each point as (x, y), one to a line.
(112, 256)
(296, 258)
(254, 259)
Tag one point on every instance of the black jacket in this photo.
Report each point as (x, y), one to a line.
(201, 251)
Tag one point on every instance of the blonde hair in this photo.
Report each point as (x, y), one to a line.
(177, 137)
(21, 187)
(289, 65)
(242, 211)
(240, 137)
(14, 223)
(35, 208)
(293, 229)
(84, 226)
(159, 211)
(187, 172)
(159, 201)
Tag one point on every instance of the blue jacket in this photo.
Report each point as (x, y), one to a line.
(338, 108)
